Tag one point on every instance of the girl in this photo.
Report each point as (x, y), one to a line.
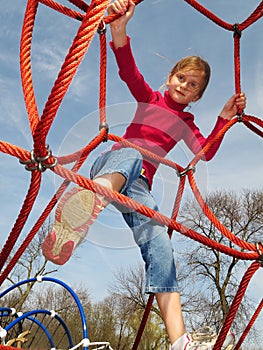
(159, 123)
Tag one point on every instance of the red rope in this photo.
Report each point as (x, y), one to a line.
(63, 9)
(79, 162)
(253, 127)
(235, 303)
(76, 53)
(237, 64)
(25, 63)
(206, 210)
(143, 322)
(91, 21)
(200, 8)
(14, 151)
(103, 66)
(22, 217)
(250, 324)
(118, 197)
(255, 15)
(80, 4)
(237, 35)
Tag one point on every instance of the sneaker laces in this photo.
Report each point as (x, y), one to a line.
(203, 334)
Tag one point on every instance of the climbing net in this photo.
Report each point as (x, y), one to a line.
(40, 158)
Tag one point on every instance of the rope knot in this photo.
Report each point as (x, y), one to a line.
(185, 171)
(106, 127)
(259, 247)
(236, 30)
(39, 163)
(102, 28)
(240, 116)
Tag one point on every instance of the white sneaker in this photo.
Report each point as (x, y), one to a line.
(202, 339)
(75, 213)
(229, 342)
(205, 339)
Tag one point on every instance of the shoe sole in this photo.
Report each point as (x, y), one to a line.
(75, 213)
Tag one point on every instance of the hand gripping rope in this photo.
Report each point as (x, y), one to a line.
(40, 159)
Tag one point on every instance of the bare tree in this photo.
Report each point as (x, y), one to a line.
(127, 290)
(211, 278)
(30, 265)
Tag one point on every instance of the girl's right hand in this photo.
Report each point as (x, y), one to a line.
(124, 8)
(118, 27)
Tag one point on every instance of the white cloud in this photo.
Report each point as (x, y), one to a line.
(13, 117)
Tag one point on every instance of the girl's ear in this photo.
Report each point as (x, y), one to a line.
(168, 80)
(195, 99)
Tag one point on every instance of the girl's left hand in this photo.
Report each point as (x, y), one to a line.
(236, 103)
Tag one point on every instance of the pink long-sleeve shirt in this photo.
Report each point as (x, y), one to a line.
(159, 122)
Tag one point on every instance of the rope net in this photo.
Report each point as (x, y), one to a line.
(92, 20)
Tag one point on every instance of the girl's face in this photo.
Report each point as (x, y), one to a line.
(184, 86)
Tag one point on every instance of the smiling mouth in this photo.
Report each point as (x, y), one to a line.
(179, 92)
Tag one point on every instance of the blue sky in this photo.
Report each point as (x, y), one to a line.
(161, 33)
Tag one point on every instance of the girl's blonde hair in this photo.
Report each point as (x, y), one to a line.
(195, 63)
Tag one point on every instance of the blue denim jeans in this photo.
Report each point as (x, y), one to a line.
(150, 236)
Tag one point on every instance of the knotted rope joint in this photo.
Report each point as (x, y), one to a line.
(237, 31)
(259, 247)
(39, 163)
(240, 117)
(185, 171)
(102, 28)
(106, 127)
